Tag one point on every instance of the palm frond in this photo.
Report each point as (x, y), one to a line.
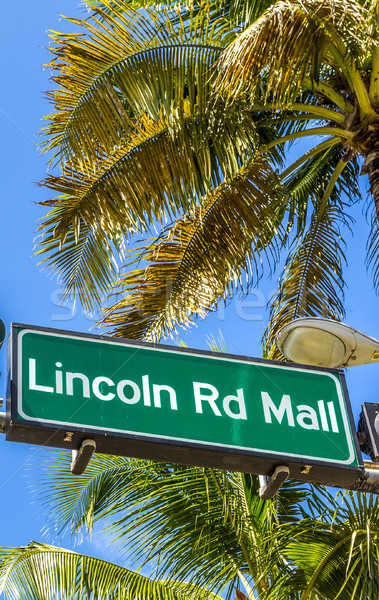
(113, 6)
(185, 276)
(202, 525)
(150, 499)
(124, 67)
(73, 504)
(87, 263)
(288, 43)
(307, 178)
(217, 344)
(145, 181)
(313, 281)
(372, 250)
(42, 572)
(338, 556)
(239, 13)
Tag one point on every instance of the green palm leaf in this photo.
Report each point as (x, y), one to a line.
(308, 177)
(41, 572)
(216, 521)
(146, 180)
(372, 248)
(312, 283)
(337, 557)
(156, 140)
(184, 275)
(126, 66)
(86, 265)
(238, 12)
(289, 42)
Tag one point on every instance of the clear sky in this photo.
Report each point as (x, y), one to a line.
(30, 296)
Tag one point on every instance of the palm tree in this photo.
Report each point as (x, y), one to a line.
(206, 527)
(177, 122)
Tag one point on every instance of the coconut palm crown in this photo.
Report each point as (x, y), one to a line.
(178, 122)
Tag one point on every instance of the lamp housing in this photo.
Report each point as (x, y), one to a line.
(326, 343)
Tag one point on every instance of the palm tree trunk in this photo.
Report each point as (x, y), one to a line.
(372, 162)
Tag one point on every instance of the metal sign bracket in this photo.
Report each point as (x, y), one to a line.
(270, 485)
(81, 457)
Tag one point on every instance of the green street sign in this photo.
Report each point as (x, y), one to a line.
(180, 405)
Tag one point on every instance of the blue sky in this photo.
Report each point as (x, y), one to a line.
(30, 296)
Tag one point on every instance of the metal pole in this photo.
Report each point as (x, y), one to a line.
(368, 481)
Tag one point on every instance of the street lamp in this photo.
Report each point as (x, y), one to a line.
(326, 343)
